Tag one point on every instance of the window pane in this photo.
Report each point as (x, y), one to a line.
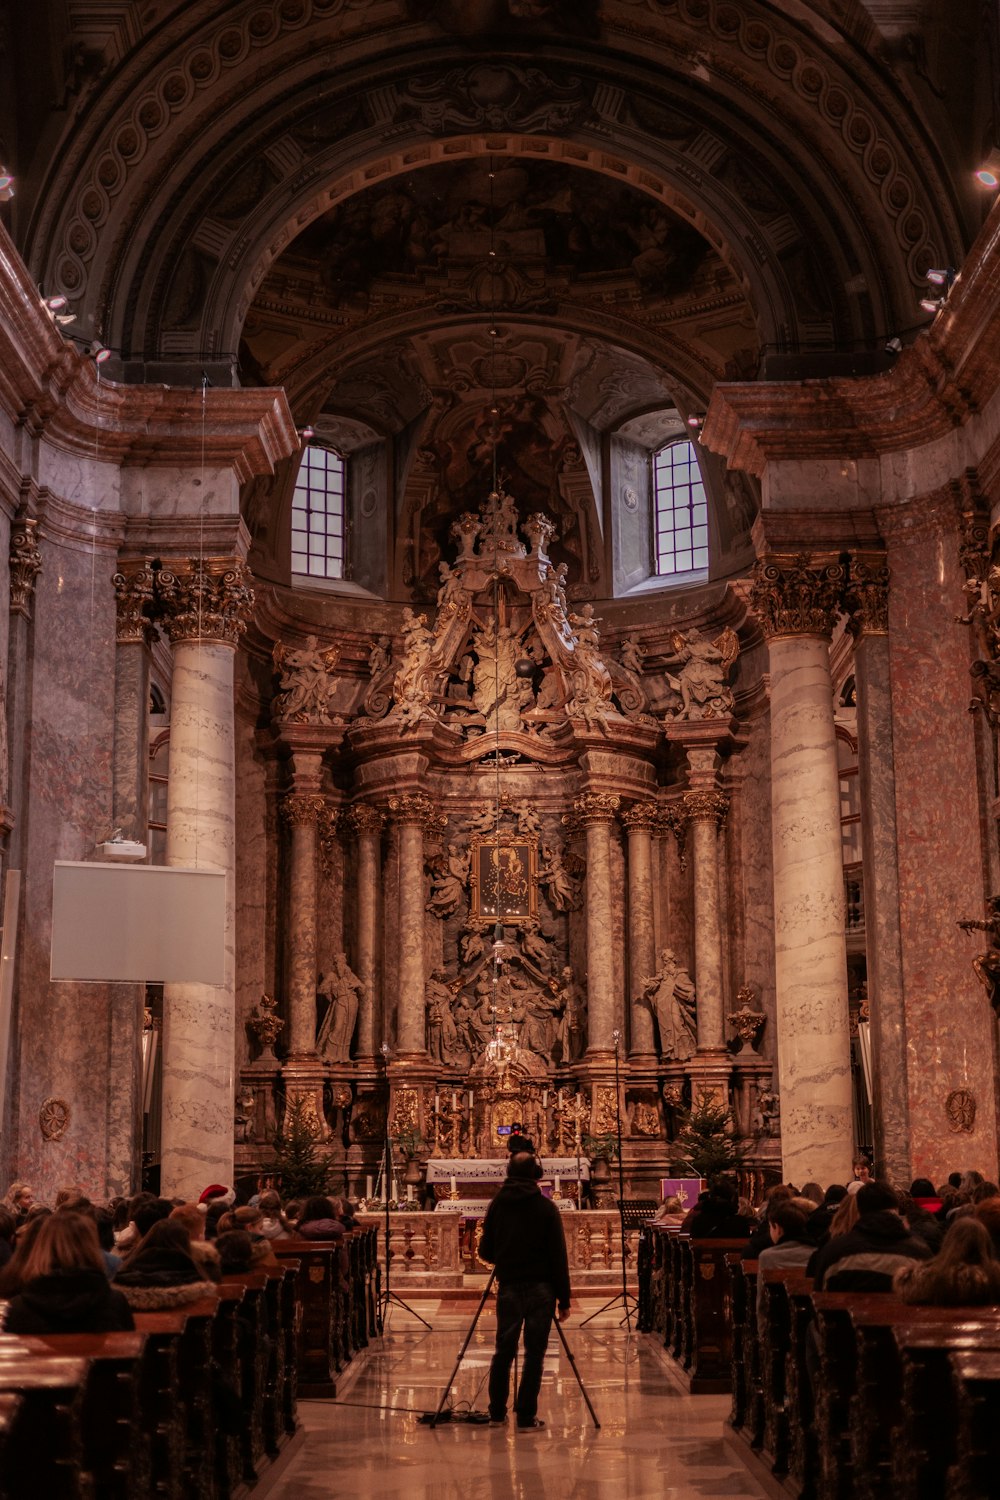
(318, 514)
(681, 524)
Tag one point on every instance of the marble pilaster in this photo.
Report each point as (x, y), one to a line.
(869, 599)
(411, 813)
(302, 809)
(596, 811)
(206, 606)
(706, 811)
(640, 821)
(796, 604)
(25, 565)
(367, 823)
(133, 593)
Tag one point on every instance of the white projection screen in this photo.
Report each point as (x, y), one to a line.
(138, 922)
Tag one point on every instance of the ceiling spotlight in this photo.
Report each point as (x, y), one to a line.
(307, 434)
(932, 304)
(942, 278)
(987, 178)
(6, 185)
(695, 422)
(55, 303)
(98, 353)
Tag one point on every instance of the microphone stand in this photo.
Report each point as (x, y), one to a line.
(387, 1297)
(623, 1298)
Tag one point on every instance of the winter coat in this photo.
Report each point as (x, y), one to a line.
(867, 1258)
(523, 1237)
(68, 1302)
(168, 1298)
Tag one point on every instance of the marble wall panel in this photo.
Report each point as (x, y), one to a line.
(950, 1029)
(751, 875)
(66, 1032)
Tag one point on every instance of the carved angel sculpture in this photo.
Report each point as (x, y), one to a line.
(306, 681)
(449, 877)
(986, 965)
(705, 666)
(563, 890)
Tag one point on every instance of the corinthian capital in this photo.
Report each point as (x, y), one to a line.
(206, 600)
(791, 596)
(363, 818)
(302, 808)
(596, 807)
(414, 807)
(643, 816)
(706, 804)
(25, 565)
(867, 596)
(133, 593)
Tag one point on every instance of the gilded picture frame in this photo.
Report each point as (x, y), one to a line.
(503, 879)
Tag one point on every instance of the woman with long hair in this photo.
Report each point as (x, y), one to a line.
(964, 1273)
(160, 1274)
(59, 1281)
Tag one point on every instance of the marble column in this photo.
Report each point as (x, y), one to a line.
(796, 605)
(412, 812)
(596, 811)
(25, 566)
(367, 823)
(706, 811)
(205, 609)
(640, 821)
(302, 809)
(869, 602)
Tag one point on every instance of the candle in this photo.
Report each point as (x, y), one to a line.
(545, 1098)
(454, 1100)
(409, 1192)
(368, 1187)
(436, 1101)
(470, 1101)
(453, 1184)
(395, 1190)
(560, 1098)
(558, 1184)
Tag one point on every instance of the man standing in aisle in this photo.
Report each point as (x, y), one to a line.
(523, 1237)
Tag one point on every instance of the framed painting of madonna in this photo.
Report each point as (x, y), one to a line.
(503, 879)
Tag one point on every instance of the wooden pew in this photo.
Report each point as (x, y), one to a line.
(976, 1383)
(44, 1450)
(925, 1442)
(317, 1291)
(709, 1332)
(781, 1391)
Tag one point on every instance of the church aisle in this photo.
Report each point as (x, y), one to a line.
(655, 1441)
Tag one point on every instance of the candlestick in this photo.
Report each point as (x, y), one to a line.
(470, 1101)
(395, 1191)
(560, 1098)
(436, 1101)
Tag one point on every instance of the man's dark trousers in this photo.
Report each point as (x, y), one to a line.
(531, 1304)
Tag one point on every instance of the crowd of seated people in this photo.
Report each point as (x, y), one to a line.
(74, 1266)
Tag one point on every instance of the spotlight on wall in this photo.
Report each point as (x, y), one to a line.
(894, 345)
(55, 303)
(307, 434)
(945, 277)
(6, 185)
(55, 307)
(932, 304)
(988, 174)
(941, 282)
(695, 422)
(98, 353)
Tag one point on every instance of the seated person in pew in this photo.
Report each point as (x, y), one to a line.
(988, 1214)
(717, 1218)
(273, 1223)
(8, 1234)
(319, 1221)
(790, 1244)
(670, 1212)
(160, 1274)
(204, 1255)
(821, 1217)
(866, 1258)
(57, 1282)
(760, 1233)
(964, 1273)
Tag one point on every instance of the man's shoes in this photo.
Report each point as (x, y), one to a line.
(532, 1426)
(498, 1421)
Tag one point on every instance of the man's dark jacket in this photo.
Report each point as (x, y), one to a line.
(523, 1237)
(866, 1258)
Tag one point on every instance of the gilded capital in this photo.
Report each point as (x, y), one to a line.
(413, 807)
(596, 807)
(133, 595)
(302, 808)
(644, 816)
(674, 819)
(330, 822)
(791, 596)
(363, 818)
(25, 565)
(706, 804)
(206, 600)
(867, 596)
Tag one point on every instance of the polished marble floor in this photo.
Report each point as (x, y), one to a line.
(654, 1441)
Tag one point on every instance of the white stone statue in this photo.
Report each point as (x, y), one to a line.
(705, 665)
(441, 1035)
(534, 944)
(670, 995)
(306, 681)
(495, 685)
(342, 987)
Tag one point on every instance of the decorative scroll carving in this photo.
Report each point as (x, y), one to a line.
(302, 808)
(704, 803)
(982, 604)
(405, 1116)
(206, 601)
(791, 596)
(307, 682)
(960, 1108)
(329, 827)
(986, 965)
(674, 819)
(745, 1021)
(25, 565)
(414, 807)
(133, 600)
(867, 596)
(492, 96)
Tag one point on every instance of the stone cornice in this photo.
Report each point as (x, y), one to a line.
(949, 374)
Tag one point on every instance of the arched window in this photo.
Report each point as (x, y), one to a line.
(318, 514)
(680, 510)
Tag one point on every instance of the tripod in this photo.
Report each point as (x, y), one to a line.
(388, 1298)
(623, 1298)
(468, 1339)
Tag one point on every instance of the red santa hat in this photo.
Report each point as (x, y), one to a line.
(217, 1193)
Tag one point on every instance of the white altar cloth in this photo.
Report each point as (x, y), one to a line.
(494, 1169)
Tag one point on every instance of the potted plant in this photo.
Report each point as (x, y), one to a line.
(408, 1143)
(601, 1150)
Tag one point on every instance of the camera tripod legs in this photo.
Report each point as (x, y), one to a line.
(461, 1353)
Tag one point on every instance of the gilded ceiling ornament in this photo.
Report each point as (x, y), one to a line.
(793, 596)
(25, 565)
(206, 600)
(54, 1118)
(605, 1109)
(960, 1108)
(134, 589)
